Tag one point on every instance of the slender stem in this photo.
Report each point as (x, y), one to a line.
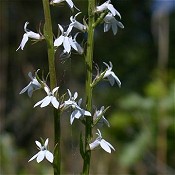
(88, 60)
(48, 34)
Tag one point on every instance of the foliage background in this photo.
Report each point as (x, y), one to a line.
(142, 113)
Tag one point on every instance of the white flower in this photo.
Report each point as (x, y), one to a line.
(50, 98)
(107, 6)
(111, 22)
(43, 153)
(69, 2)
(98, 114)
(32, 86)
(27, 35)
(111, 75)
(77, 110)
(101, 142)
(80, 50)
(65, 39)
(77, 24)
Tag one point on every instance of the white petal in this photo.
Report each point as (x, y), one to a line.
(116, 79)
(120, 24)
(46, 143)
(46, 101)
(94, 144)
(72, 44)
(33, 35)
(25, 26)
(80, 101)
(69, 92)
(69, 30)
(113, 10)
(23, 42)
(105, 146)
(66, 44)
(47, 90)
(87, 113)
(38, 144)
(54, 90)
(59, 41)
(107, 27)
(111, 79)
(70, 3)
(110, 145)
(99, 133)
(55, 102)
(35, 156)
(38, 103)
(49, 156)
(76, 114)
(25, 89)
(40, 157)
(61, 28)
(114, 28)
(106, 65)
(75, 95)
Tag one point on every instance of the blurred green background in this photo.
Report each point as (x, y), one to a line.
(142, 112)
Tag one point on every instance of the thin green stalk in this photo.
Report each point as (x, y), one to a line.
(48, 34)
(89, 60)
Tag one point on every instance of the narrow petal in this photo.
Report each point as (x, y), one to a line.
(87, 113)
(61, 28)
(54, 90)
(111, 79)
(55, 102)
(46, 101)
(38, 103)
(38, 144)
(34, 157)
(46, 143)
(116, 79)
(33, 35)
(70, 3)
(59, 41)
(72, 43)
(110, 145)
(107, 27)
(66, 44)
(94, 144)
(114, 28)
(120, 24)
(76, 114)
(75, 95)
(25, 89)
(23, 42)
(105, 146)
(40, 157)
(49, 156)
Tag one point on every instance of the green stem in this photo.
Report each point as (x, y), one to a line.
(48, 34)
(88, 60)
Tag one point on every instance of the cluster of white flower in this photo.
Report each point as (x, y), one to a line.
(69, 42)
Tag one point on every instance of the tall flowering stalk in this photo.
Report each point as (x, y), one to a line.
(51, 59)
(104, 13)
(88, 62)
